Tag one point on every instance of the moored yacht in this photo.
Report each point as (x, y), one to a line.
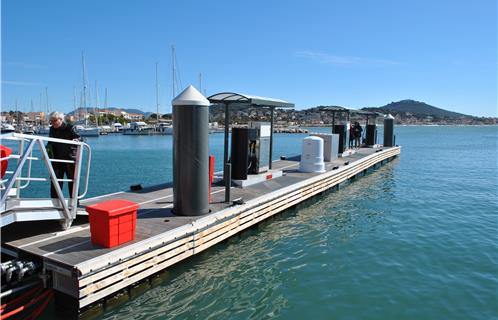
(87, 131)
(138, 128)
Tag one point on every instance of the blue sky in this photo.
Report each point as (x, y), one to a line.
(350, 53)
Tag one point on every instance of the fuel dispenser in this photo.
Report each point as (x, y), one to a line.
(250, 150)
(261, 156)
(342, 130)
(371, 135)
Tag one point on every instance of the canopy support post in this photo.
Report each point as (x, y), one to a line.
(271, 137)
(226, 174)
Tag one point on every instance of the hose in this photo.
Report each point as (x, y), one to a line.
(29, 304)
(14, 290)
(41, 308)
(31, 293)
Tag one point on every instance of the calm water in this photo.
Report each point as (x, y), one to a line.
(416, 239)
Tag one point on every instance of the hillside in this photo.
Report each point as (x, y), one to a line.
(418, 109)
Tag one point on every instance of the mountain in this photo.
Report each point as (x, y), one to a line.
(418, 109)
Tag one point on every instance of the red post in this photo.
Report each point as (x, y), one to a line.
(211, 174)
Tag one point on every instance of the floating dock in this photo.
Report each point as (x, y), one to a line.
(84, 274)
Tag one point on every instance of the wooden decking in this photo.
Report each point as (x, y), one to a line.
(88, 272)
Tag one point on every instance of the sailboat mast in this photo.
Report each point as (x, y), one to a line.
(32, 112)
(84, 82)
(105, 100)
(173, 73)
(41, 108)
(74, 101)
(46, 101)
(17, 118)
(96, 109)
(157, 93)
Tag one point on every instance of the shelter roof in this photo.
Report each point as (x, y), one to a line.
(350, 110)
(334, 108)
(368, 113)
(239, 99)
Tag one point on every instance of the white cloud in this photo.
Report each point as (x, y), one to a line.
(325, 58)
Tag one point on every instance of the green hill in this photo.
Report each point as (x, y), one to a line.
(418, 109)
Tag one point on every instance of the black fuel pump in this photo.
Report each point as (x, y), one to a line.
(250, 150)
(243, 152)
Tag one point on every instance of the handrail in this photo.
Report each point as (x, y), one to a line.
(87, 175)
(30, 137)
(12, 200)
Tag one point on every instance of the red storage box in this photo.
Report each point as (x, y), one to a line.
(112, 222)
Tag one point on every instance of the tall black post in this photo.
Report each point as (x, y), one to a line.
(388, 131)
(226, 166)
(225, 151)
(190, 153)
(227, 176)
(271, 136)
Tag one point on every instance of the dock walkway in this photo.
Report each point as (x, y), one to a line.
(88, 272)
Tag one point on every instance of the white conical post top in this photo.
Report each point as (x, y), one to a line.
(190, 97)
(389, 116)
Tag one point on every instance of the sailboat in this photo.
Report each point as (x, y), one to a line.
(162, 128)
(86, 130)
(44, 128)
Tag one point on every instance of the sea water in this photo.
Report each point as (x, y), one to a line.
(415, 239)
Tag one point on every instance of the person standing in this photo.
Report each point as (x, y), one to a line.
(351, 136)
(62, 151)
(357, 134)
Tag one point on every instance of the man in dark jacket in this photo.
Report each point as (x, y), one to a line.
(63, 151)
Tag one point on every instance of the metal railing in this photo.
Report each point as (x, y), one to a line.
(16, 208)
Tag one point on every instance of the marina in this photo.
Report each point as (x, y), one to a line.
(151, 168)
(174, 221)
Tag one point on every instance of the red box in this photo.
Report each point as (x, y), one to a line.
(112, 222)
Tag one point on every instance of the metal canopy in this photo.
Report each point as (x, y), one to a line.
(368, 113)
(239, 99)
(348, 111)
(334, 108)
(233, 99)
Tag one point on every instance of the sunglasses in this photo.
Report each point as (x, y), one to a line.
(53, 120)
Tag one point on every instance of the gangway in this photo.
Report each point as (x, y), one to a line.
(27, 149)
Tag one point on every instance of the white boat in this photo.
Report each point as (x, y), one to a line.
(138, 128)
(105, 129)
(214, 128)
(164, 129)
(7, 128)
(28, 130)
(87, 131)
(117, 127)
